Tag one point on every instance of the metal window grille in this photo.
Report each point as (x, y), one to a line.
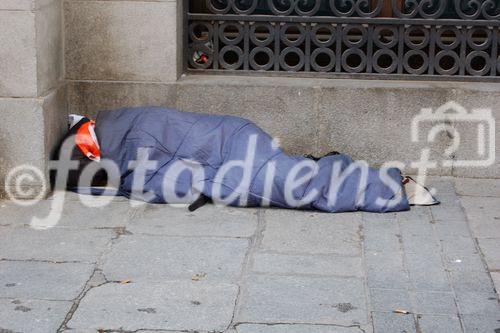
(402, 39)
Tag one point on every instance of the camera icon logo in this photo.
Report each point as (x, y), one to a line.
(448, 118)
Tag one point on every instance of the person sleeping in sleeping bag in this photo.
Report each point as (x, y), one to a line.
(164, 155)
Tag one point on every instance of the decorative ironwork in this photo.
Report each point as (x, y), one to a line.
(394, 38)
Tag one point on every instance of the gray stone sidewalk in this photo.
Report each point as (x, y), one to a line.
(163, 269)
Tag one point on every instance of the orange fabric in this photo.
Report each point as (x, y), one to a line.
(86, 141)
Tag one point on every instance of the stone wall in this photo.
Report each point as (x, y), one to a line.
(128, 53)
(32, 86)
(81, 56)
(370, 120)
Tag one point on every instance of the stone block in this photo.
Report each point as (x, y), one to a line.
(444, 186)
(16, 5)
(420, 244)
(18, 65)
(415, 222)
(121, 41)
(382, 242)
(55, 116)
(477, 97)
(285, 264)
(21, 135)
(158, 258)
(481, 324)
(182, 306)
(74, 214)
(386, 270)
(448, 210)
(49, 45)
(336, 301)
(483, 215)
(209, 220)
(32, 315)
(471, 281)
(457, 247)
(56, 244)
(427, 272)
(464, 263)
(373, 123)
(285, 111)
(495, 276)
(441, 324)
(42, 280)
(434, 303)
(393, 323)
(29, 131)
(381, 233)
(478, 303)
(312, 232)
(87, 98)
(295, 328)
(389, 300)
(478, 187)
(95, 199)
(452, 228)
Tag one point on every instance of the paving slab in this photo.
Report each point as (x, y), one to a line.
(72, 214)
(439, 324)
(427, 272)
(379, 241)
(381, 233)
(307, 271)
(311, 232)
(434, 303)
(171, 305)
(464, 263)
(416, 222)
(294, 328)
(290, 264)
(386, 270)
(415, 214)
(96, 199)
(420, 244)
(477, 187)
(56, 244)
(490, 248)
(478, 303)
(452, 217)
(158, 258)
(444, 186)
(481, 324)
(459, 247)
(332, 300)
(32, 315)
(41, 280)
(209, 220)
(496, 280)
(393, 322)
(476, 281)
(448, 209)
(389, 300)
(483, 215)
(452, 228)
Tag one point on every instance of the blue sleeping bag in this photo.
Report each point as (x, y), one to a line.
(170, 156)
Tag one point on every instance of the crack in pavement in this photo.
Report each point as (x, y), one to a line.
(359, 327)
(96, 276)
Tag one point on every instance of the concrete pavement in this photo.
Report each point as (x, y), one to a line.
(163, 269)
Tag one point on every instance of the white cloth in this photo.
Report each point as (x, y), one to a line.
(73, 119)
